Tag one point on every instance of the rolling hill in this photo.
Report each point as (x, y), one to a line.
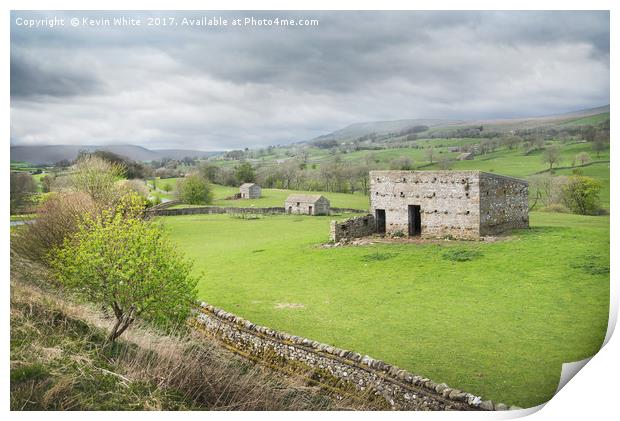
(48, 154)
(387, 127)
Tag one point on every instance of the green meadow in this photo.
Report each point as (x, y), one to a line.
(496, 319)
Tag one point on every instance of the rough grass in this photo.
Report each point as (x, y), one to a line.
(497, 319)
(60, 361)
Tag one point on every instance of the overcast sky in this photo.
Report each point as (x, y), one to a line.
(215, 88)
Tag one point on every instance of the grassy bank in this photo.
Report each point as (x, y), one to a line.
(60, 361)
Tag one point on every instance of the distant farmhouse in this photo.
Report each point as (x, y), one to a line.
(249, 191)
(307, 204)
(457, 204)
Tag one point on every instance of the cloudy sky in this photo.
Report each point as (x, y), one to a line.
(214, 88)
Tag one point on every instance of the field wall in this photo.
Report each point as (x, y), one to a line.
(208, 210)
(360, 226)
(401, 389)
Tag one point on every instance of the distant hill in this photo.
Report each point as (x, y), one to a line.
(383, 127)
(48, 154)
(386, 127)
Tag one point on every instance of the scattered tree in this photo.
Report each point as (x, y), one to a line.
(600, 143)
(194, 190)
(429, 153)
(582, 158)
(401, 163)
(167, 187)
(445, 163)
(551, 155)
(23, 186)
(244, 173)
(127, 264)
(47, 181)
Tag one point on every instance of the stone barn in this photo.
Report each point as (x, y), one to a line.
(249, 191)
(447, 204)
(307, 204)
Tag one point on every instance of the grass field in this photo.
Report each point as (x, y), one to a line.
(499, 325)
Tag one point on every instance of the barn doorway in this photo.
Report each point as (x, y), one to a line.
(380, 218)
(290, 209)
(415, 220)
(309, 210)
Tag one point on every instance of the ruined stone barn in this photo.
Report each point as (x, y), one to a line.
(307, 204)
(249, 191)
(447, 204)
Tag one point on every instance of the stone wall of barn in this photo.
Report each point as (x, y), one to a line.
(360, 226)
(503, 204)
(449, 201)
(252, 192)
(401, 389)
(307, 208)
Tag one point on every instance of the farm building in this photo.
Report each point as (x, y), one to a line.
(249, 191)
(440, 204)
(307, 204)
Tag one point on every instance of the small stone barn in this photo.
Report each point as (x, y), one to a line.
(249, 191)
(307, 204)
(447, 204)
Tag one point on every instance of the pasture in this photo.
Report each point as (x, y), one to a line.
(496, 319)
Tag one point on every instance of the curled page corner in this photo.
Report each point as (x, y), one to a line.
(569, 370)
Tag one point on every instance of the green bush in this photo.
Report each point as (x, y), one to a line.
(194, 190)
(581, 195)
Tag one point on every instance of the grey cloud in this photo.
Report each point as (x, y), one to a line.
(214, 88)
(32, 78)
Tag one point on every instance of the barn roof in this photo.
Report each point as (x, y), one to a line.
(305, 198)
(247, 185)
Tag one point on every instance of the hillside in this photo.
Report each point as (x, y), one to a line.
(49, 154)
(383, 128)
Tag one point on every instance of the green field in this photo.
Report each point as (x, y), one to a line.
(499, 325)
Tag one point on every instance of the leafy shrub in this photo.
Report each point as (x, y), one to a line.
(194, 190)
(98, 178)
(581, 195)
(125, 263)
(461, 255)
(57, 218)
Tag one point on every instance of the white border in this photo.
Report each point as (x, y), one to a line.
(591, 394)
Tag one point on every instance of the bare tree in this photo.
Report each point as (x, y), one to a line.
(583, 158)
(551, 155)
(429, 153)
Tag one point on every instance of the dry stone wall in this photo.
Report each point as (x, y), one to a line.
(234, 210)
(401, 389)
(214, 210)
(360, 226)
